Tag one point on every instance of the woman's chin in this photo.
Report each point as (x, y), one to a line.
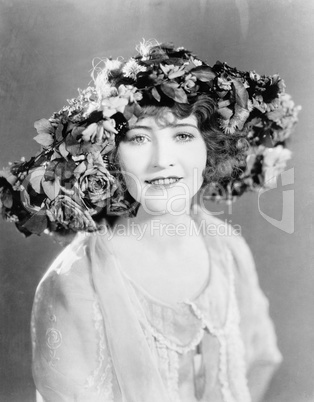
(174, 207)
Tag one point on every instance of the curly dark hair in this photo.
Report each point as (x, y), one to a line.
(226, 153)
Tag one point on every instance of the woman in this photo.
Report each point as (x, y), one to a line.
(154, 304)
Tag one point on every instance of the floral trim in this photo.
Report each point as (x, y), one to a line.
(101, 377)
(231, 350)
(53, 341)
(73, 178)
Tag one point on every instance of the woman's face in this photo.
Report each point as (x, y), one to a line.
(163, 164)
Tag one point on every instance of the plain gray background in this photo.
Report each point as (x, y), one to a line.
(46, 48)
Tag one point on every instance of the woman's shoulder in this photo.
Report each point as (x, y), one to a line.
(228, 235)
(70, 270)
(74, 263)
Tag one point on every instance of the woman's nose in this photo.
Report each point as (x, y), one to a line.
(163, 154)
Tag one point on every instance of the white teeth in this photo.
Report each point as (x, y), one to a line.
(164, 182)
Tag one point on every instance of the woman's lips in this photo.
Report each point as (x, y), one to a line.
(167, 181)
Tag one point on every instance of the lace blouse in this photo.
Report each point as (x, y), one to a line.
(203, 348)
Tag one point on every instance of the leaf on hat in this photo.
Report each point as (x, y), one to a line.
(43, 126)
(156, 94)
(137, 109)
(59, 136)
(225, 113)
(7, 198)
(88, 147)
(276, 115)
(168, 90)
(63, 151)
(64, 169)
(44, 139)
(204, 73)
(35, 179)
(172, 91)
(80, 168)
(241, 94)
(45, 132)
(37, 223)
(51, 188)
(190, 66)
(240, 116)
(180, 96)
(176, 74)
(72, 145)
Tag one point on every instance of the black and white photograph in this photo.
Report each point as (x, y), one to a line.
(157, 201)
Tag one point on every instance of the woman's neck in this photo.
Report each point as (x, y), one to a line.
(164, 228)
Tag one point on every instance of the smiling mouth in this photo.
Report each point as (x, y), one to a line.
(164, 181)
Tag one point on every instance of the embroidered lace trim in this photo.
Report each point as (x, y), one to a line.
(101, 378)
(232, 371)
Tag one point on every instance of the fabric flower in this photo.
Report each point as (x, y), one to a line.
(224, 83)
(90, 108)
(112, 65)
(274, 163)
(132, 68)
(53, 338)
(93, 133)
(130, 93)
(112, 105)
(189, 82)
(285, 117)
(172, 71)
(67, 213)
(45, 132)
(97, 185)
(196, 62)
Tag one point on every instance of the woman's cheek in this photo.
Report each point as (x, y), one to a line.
(133, 185)
(132, 181)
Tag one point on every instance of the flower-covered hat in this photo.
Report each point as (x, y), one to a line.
(72, 179)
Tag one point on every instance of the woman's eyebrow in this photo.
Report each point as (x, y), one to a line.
(137, 126)
(140, 126)
(184, 125)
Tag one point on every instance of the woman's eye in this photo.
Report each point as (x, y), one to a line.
(138, 139)
(184, 137)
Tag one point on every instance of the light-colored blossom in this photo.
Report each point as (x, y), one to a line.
(112, 105)
(172, 71)
(274, 163)
(132, 68)
(196, 62)
(224, 83)
(130, 93)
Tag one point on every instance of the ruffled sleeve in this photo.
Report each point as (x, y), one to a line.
(70, 359)
(261, 351)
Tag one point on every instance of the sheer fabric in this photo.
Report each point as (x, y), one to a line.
(98, 336)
